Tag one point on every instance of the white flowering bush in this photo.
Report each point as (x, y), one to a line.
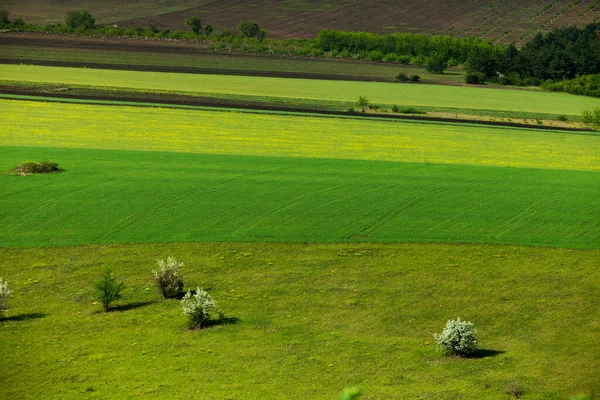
(167, 277)
(4, 294)
(198, 306)
(458, 338)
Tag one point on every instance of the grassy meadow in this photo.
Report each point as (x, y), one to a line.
(455, 97)
(305, 320)
(335, 246)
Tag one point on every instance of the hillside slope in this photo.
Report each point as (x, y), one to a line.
(499, 20)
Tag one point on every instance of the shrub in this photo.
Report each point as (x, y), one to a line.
(79, 20)
(167, 277)
(4, 294)
(108, 290)
(198, 306)
(415, 78)
(562, 118)
(249, 28)
(402, 77)
(395, 108)
(195, 24)
(345, 53)
(403, 59)
(410, 110)
(458, 338)
(31, 167)
(375, 55)
(591, 117)
(362, 103)
(208, 30)
(390, 57)
(4, 17)
(474, 78)
(436, 64)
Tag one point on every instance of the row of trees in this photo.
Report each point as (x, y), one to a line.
(84, 22)
(563, 53)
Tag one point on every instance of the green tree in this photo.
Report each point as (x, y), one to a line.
(249, 28)
(195, 24)
(108, 290)
(362, 103)
(80, 20)
(436, 64)
(208, 29)
(4, 18)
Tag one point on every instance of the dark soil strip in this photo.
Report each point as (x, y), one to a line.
(192, 70)
(154, 98)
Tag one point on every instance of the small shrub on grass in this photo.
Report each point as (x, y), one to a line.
(475, 78)
(108, 290)
(410, 110)
(167, 277)
(31, 167)
(415, 78)
(458, 338)
(402, 77)
(395, 108)
(4, 295)
(362, 103)
(562, 118)
(198, 306)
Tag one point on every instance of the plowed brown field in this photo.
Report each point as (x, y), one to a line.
(502, 21)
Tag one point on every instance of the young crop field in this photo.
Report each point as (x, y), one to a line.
(304, 321)
(467, 98)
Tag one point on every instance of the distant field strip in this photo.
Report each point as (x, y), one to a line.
(154, 129)
(144, 197)
(382, 93)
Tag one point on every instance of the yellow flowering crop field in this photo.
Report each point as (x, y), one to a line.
(154, 129)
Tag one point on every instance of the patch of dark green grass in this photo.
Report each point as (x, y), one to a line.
(126, 196)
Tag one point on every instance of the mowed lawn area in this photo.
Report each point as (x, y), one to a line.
(335, 247)
(455, 97)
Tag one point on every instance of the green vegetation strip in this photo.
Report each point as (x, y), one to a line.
(377, 92)
(245, 63)
(156, 129)
(305, 322)
(120, 196)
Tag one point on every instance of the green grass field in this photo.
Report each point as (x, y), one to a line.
(297, 225)
(308, 320)
(141, 197)
(455, 97)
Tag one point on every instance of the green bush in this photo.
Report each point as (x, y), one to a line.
(402, 77)
(390, 57)
(403, 59)
(415, 78)
(591, 117)
(474, 78)
(198, 306)
(395, 108)
(562, 118)
(4, 295)
(31, 167)
(195, 24)
(458, 338)
(167, 277)
(80, 20)
(436, 64)
(108, 290)
(362, 103)
(249, 29)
